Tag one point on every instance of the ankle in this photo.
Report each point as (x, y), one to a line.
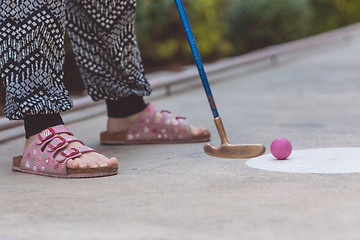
(115, 125)
(34, 124)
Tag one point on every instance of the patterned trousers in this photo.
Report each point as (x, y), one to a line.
(32, 52)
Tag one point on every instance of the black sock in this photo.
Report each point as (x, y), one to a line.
(34, 124)
(124, 107)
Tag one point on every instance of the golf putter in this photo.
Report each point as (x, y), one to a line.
(225, 150)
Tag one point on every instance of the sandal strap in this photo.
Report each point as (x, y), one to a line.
(40, 155)
(149, 127)
(51, 132)
(72, 153)
(59, 142)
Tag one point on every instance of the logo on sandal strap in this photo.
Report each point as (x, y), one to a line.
(46, 134)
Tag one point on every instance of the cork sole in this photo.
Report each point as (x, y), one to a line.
(72, 173)
(120, 139)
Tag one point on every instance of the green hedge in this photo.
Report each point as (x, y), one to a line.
(160, 33)
(256, 24)
(231, 27)
(331, 14)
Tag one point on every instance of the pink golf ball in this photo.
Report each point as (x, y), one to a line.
(281, 148)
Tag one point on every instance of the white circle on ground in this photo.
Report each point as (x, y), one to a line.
(321, 160)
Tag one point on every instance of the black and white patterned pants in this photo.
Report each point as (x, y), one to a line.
(32, 52)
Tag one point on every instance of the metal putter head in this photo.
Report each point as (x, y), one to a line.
(226, 150)
(235, 151)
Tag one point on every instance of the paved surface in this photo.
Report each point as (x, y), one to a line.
(178, 192)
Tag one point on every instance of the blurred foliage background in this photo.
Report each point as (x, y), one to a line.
(222, 28)
(225, 28)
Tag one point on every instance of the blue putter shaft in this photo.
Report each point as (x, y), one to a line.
(197, 57)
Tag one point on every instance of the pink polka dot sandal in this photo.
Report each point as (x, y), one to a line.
(154, 127)
(47, 156)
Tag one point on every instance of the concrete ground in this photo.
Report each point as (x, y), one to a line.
(178, 192)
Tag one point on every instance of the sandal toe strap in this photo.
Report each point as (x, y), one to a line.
(72, 153)
(166, 114)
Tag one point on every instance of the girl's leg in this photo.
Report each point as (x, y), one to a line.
(31, 59)
(32, 56)
(103, 39)
(104, 42)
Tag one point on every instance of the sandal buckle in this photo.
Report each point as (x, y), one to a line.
(46, 134)
(70, 152)
(55, 143)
